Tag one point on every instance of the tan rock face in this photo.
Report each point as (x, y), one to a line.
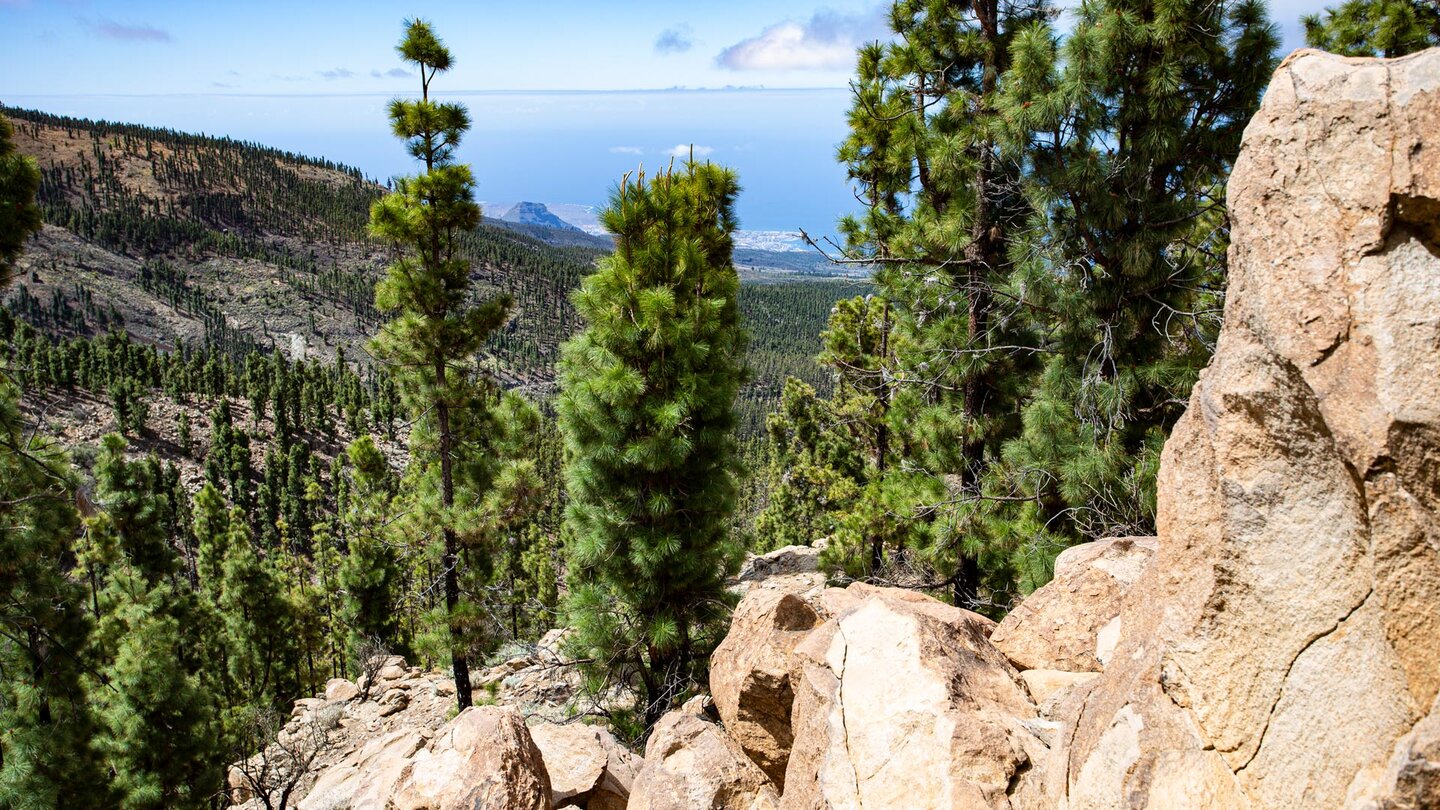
(791, 569)
(691, 762)
(587, 767)
(367, 777)
(1412, 777)
(902, 702)
(337, 689)
(484, 759)
(1047, 685)
(1070, 623)
(750, 676)
(1283, 641)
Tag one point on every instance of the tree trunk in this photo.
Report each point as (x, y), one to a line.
(459, 664)
(882, 430)
(983, 258)
(657, 689)
(967, 583)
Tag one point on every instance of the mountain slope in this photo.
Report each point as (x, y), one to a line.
(189, 236)
(182, 239)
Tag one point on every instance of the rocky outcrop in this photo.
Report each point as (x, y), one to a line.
(484, 759)
(750, 675)
(1284, 639)
(587, 767)
(369, 776)
(690, 762)
(544, 683)
(1275, 647)
(1412, 777)
(353, 744)
(901, 701)
(1071, 623)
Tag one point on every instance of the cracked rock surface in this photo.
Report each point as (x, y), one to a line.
(1287, 635)
(901, 701)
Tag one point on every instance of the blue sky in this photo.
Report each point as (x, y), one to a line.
(551, 84)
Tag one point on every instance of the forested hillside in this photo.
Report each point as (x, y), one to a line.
(180, 239)
(172, 230)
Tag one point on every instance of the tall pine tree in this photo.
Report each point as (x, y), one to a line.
(646, 406)
(945, 210)
(47, 729)
(439, 325)
(1128, 129)
(161, 718)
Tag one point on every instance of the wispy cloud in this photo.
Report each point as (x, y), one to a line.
(392, 73)
(336, 73)
(627, 150)
(827, 41)
(674, 40)
(109, 29)
(682, 150)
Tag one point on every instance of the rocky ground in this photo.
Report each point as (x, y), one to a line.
(1276, 646)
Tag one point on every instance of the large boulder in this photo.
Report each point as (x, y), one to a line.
(368, 776)
(1071, 623)
(750, 675)
(484, 759)
(587, 767)
(690, 762)
(901, 701)
(792, 569)
(1282, 644)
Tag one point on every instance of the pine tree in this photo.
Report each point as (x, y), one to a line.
(439, 326)
(47, 759)
(134, 518)
(816, 472)
(1375, 27)
(162, 732)
(370, 573)
(160, 719)
(1128, 131)
(259, 623)
(19, 215)
(944, 211)
(646, 406)
(212, 540)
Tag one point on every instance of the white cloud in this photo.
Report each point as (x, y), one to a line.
(627, 150)
(827, 41)
(682, 150)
